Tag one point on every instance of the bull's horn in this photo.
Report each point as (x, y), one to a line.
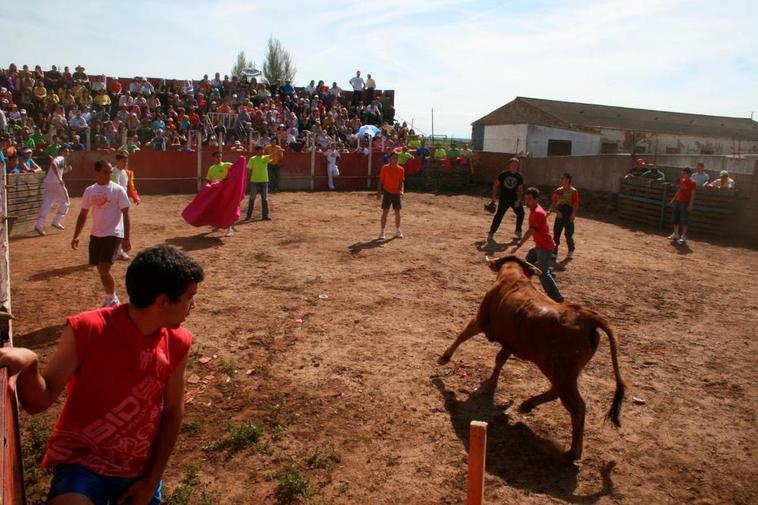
(487, 259)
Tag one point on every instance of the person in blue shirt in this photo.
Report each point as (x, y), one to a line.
(12, 166)
(287, 89)
(423, 152)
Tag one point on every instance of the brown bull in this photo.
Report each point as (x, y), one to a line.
(560, 338)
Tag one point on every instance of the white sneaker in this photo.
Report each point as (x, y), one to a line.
(229, 232)
(40, 231)
(682, 240)
(123, 256)
(570, 254)
(399, 234)
(59, 226)
(381, 235)
(490, 237)
(673, 236)
(111, 300)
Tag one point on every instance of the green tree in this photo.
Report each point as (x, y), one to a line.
(277, 63)
(241, 64)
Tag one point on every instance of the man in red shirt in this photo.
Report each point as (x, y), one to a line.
(542, 253)
(683, 201)
(390, 191)
(123, 368)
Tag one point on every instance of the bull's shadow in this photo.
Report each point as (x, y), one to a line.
(515, 453)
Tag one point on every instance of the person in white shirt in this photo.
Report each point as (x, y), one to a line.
(310, 89)
(126, 99)
(54, 192)
(370, 88)
(700, 176)
(358, 85)
(146, 88)
(110, 226)
(723, 182)
(332, 171)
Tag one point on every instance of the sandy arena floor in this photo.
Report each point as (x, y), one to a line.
(329, 340)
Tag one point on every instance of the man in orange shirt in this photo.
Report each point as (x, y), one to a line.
(274, 167)
(390, 190)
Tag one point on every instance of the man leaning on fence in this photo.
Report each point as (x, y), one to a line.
(683, 201)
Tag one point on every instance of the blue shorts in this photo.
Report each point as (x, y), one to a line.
(102, 490)
(681, 215)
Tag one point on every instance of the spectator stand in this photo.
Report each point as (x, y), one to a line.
(11, 468)
(648, 202)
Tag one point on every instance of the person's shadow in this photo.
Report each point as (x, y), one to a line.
(371, 244)
(492, 247)
(195, 242)
(560, 266)
(515, 453)
(682, 248)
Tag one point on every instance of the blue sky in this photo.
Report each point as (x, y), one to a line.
(462, 58)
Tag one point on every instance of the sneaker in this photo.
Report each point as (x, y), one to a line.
(111, 300)
(40, 231)
(381, 235)
(518, 233)
(673, 236)
(490, 237)
(123, 256)
(399, 234)
(682, 240)
(229, 232)
(570, 254)
(266, 218)
(59, 226)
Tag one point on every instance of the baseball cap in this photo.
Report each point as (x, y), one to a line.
(723, 173)
(640, 162)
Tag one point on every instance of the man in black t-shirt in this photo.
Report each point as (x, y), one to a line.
(508, 188)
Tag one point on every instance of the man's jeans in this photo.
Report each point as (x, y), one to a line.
(255, 188)
(562, 224)
(543, 258)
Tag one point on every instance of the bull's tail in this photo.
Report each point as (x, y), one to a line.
(614, 413)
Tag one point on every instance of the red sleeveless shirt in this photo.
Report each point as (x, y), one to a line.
(115, 397)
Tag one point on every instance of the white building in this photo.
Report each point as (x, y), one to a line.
(553, 128)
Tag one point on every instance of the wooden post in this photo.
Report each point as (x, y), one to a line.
(199, 160)
(477, 453)
(313, 165)
(370, 154)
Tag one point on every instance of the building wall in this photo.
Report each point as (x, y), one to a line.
(661, 143)
(581, 143)
(506, 138)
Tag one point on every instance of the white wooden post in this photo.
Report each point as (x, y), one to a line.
(221, 141)
(124, 139)
(89, 138)
(370, 154)
(250, 140)
(313, 166)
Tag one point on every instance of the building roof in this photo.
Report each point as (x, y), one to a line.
(581, 116)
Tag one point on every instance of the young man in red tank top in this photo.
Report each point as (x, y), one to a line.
(123, 368)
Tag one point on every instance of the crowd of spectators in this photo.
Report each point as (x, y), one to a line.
(39, 108)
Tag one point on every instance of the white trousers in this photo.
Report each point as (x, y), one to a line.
(331, 172)
(54, 194)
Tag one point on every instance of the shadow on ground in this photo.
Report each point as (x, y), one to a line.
(58, 272)
(195, 242)
(39, 338)
(371, 244)
(515, 453)
(492, 247)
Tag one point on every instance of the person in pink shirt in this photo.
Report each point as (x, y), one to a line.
(123, 368)
(542, 252)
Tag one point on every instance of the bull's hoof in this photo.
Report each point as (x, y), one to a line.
(444, 359)
(525, 408)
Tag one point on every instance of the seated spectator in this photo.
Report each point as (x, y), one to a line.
(12, 166)
(80, 77)
(653, 173)
(40, 92)
(158, 142)
(287, 89)
(86, 98)
(145, 87)
(98, 84)
(700, 176)
(77, 123)
(28, 164)
(114, 87)
(723, 182)
(53, 78)
(102, 101)
(75, 144)
(637, 170)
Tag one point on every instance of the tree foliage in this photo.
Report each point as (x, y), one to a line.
(277, 62)
(241, 64)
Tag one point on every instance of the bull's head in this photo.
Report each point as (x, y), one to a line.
(496, 263)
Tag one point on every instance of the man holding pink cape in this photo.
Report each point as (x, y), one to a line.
(218, 202)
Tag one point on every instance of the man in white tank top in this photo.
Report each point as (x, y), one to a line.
(55, 192)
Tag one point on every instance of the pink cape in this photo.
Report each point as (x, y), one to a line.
(218, 202)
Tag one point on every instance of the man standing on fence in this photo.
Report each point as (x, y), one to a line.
(110, 226)
(683, 201)
(358, 85)
(700, 176)
(390, 191)
(565, 205)
(258, 167)
(124, 372)
(276, 152)
(55, 192)
(508, 189)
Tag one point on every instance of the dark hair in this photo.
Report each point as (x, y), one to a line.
(567, 176)
(700, 164)
(162, 269)
(216, 152)
(687, 169)
(532, 191)
(100, 164)
(121, 156)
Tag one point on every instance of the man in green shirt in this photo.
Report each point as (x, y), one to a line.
(439, 152)
(653, 173)
(53, 149)
(453, 152)
(258, 167)
(219, 170)
(403, 156)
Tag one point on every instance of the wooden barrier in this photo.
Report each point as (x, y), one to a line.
(24, 196)
(477, 454)
(11, 469)
(648, 202)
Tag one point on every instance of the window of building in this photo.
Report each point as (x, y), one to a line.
(609, 148)
(640, 149)
(673, 150)
(559, 148)
(706, 151)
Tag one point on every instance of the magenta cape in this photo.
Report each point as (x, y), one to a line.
(218, 202)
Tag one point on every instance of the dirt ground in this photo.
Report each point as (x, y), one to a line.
(328, 340)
